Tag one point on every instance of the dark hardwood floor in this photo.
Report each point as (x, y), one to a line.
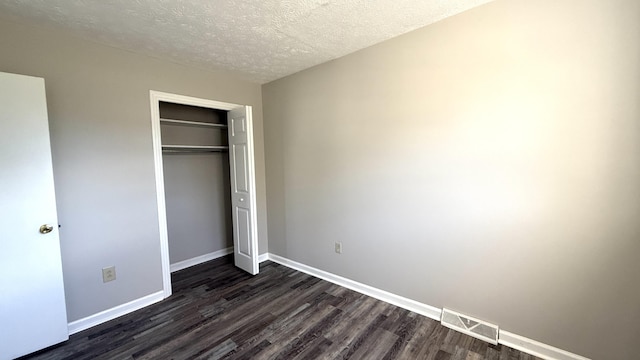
(219, 312)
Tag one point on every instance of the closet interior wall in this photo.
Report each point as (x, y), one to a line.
(197, 189)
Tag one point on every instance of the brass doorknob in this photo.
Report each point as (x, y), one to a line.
(45, 229)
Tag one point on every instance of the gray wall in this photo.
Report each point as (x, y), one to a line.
(98, 102)
(489, 163)
(197, 185)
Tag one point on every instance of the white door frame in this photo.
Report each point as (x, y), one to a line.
(156, 97)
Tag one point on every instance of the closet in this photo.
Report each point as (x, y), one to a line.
(205, 182)
(195, 159)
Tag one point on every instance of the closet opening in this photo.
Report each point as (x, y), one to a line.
(195, 160)
(205, 182)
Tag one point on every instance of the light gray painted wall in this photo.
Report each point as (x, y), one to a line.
(489, 163)
(197, 193)
(98, 102)
(197, 188)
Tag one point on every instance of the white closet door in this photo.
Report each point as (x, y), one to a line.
(243, 189)
(32, 305)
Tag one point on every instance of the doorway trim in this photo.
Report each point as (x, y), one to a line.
(155, 98)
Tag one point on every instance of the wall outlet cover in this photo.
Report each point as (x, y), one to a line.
(108, 274)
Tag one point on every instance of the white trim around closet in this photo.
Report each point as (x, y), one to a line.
(155, 98)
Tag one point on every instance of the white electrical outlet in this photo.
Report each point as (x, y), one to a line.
(338, 247)
(108, 274)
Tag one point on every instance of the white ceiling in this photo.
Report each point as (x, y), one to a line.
(259, 40)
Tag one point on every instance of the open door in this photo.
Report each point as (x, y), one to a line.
(32, 304)
(243, 189)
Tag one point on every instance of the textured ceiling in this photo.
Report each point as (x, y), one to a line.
(259, 40)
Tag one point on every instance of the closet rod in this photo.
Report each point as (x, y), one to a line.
(194, 148)
(191, 151)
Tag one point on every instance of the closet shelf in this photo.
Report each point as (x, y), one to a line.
(194, 148)
(192, 123)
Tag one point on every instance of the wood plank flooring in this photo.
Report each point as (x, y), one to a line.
(219, 312)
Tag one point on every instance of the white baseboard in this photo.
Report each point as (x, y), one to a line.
(505, 338)
(535, 348)
(110, 314)
(517, 342)
(200, 259)
(405, 303)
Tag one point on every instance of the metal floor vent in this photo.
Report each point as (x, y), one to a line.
(470, 326)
